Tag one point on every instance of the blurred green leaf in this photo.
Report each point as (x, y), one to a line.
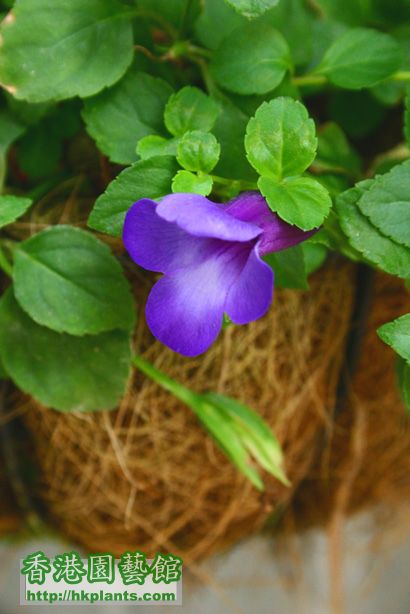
(360, 58)
(289, 268)
(120, 116)
(68, 280)
(150, 178)
(253, 59)
(75, 49)
(12, 207)
(61, 371)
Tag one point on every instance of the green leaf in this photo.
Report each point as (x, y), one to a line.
(397, 335)
(63, 372)
(184, 181)
(280, 140)
(361, 58)
(10, 129)
(151, 146)
(289, 268)
(68, 280)
(12, 207)
(190, 109)
(198, 151)
(238, 430)
(301, 201)
(145, 179)
(253, 59)
(366, 238)
(253, 433)
(334, 151)
(134, 108)
(230, 130)
(75, 49)
(315, 255)
(216, 21)
(39, 151)
(387, 203)
(252, 8)
(403, 380)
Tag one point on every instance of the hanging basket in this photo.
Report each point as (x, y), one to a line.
(148, 476)
(366, 462)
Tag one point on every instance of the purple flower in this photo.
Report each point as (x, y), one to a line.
(210, 255)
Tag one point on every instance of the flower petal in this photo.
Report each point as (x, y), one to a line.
(251, 294)
(155, 244)
(276, 233)
(202, 218)
(185, 310)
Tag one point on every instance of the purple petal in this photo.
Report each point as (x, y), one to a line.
(185, 310)
(155, 244)
(276, 234)
(202, 218)
(251, 294)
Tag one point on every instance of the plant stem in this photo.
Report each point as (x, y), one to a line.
(306, 80)
(183, 394)
(401, 75)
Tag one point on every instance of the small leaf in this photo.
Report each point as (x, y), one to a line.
(280, 140)
(184, 181)
(198, 151)
(151, 146)
(68, 280)
(361, 58)
(377, 248)
(190, 109)
(117, 118)
(387, 203)
(301, 201)
(397, 335)
(253, 433)
(252, 8)
(253, 59)
(145, 179)
(289, 268)
(63, 372)
(12, 207)
(403, 380)
(75, 49)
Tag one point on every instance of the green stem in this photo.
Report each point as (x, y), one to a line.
(243, 185)
(307, 80)
(183, 394)
(5, 264)
(401, 75)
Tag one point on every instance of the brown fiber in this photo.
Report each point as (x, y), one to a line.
(147, 476)
(366, 464)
